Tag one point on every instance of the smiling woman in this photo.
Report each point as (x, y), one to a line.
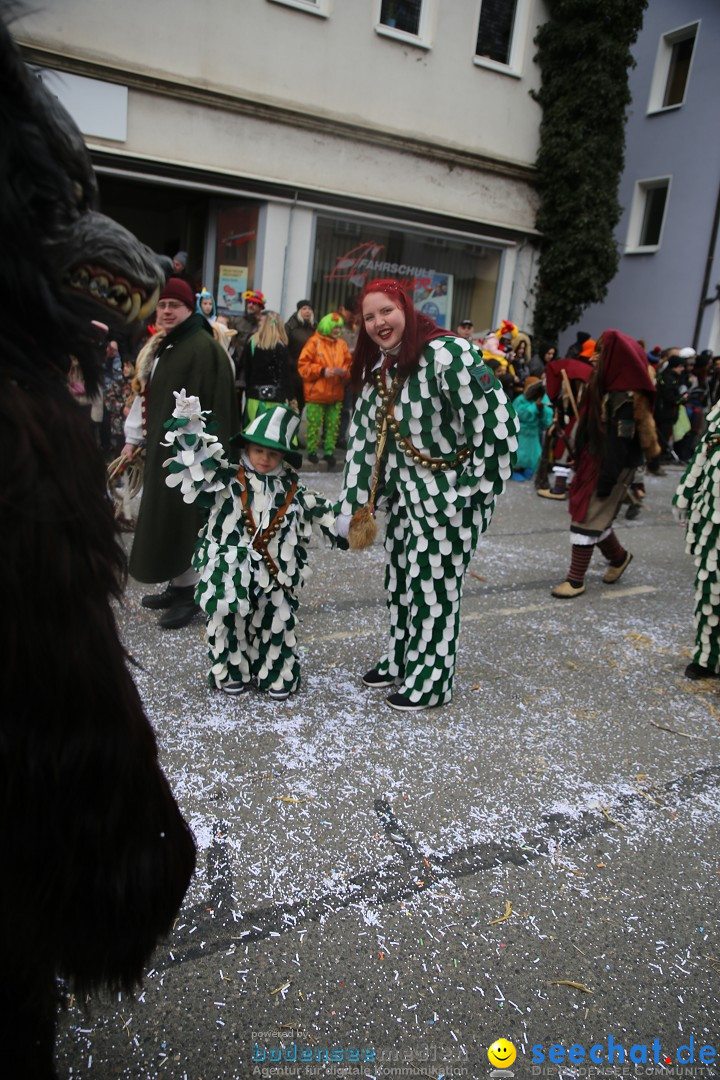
(432, 441)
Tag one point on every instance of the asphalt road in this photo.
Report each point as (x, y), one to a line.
(537, 861)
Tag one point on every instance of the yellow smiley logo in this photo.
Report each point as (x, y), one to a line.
(502, 1054)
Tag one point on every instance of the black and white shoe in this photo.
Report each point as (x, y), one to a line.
(279, 695)
(235, 687)
(376, 680)
(403, 703)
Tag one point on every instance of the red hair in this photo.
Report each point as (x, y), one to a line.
(419, 329)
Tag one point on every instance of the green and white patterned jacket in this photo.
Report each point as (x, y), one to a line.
(229, 566)
(451, 402)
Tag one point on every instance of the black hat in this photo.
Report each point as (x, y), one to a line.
(466, 322)
(302, 303)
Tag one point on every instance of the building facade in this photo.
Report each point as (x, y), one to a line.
(302, 147)
(667, 287)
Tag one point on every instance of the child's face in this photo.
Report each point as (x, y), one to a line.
(262, 458)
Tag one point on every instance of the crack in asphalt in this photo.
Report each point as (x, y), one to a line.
(408, 874)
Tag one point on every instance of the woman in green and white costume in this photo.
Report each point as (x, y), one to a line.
(448, 453)
(251, 556)
(697, 502)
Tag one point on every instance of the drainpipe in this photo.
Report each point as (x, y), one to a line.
(704, 298)
(283, 295)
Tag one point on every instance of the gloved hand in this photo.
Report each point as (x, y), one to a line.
(187, 407)
(342, 525)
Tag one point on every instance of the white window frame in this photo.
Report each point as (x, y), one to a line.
(518, 41)
(312, 7)
(421, 40)
(637, 215)
(661, 70)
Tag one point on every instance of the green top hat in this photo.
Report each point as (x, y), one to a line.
(274, 426)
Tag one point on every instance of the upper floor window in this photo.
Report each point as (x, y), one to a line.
(405, 20)
(501, 34)
(672, 68)
(401, 15)
(495, 31)
(647, 214)
(315, 7)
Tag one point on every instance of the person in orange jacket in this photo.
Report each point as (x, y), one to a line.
(324, 366)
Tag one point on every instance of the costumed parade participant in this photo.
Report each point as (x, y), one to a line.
(697, 502)
(431, 443)
(615, 429)
(206, 305)
(535, 414)
(265, 363)
(96, 855)
(566, 383)
(324, 366)
(252, 554)
(183, 352)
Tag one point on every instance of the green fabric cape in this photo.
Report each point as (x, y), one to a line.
(167, 528)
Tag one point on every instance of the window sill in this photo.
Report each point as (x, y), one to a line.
(402, 36)
(307, 6)
(493, 65)
(643, 250)
(664, 109)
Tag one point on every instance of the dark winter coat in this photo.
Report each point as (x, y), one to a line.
(167, 528)
(668, 394)
(299, 333)
(266, 372)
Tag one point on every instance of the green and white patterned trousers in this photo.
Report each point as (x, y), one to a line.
(707, 619)
(261, 645)
(424, 581)
(317, 416)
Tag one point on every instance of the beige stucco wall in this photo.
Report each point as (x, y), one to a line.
(169, 130)
(335, 67)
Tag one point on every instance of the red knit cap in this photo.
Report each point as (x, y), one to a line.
(177, 289)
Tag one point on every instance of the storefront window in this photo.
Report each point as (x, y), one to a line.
(235, 256)
(448, 279)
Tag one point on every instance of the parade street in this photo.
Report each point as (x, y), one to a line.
(387, 894)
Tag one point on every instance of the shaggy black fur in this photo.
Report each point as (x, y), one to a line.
(95, 855)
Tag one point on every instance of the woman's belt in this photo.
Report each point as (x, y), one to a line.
(267, 392)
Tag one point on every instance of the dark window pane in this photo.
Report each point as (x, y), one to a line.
(678, 74)
(402, 14)
(655, 199)
(495, 30)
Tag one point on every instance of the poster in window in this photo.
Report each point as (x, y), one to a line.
(232, 283)
(433, 297)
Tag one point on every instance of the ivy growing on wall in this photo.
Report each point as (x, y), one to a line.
(584, 59)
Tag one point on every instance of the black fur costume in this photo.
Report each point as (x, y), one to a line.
(95, 856)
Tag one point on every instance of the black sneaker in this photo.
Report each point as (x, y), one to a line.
(235, 687)
(375, 679)
(183, 609)
(313, 459)
(697, 671)
(403, 703)
(330, 461)
(163, 599)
